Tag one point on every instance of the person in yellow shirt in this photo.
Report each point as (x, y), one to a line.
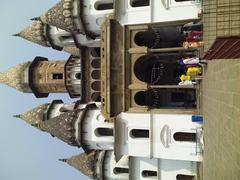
(194, 71)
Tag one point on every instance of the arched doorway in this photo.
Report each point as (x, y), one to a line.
(159, 69)
(166, 98)
(163, 37)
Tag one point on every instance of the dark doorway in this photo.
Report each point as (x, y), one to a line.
(159, 69)
(164, 37)
(166, 98)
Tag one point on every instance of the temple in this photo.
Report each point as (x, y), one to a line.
(135, 69)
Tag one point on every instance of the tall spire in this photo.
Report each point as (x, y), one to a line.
(35, 33)
(16, 77)
(62, 127)
(83, 162)
(61, 16)
(34, 116)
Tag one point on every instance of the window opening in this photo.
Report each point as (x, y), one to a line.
(120, 170)
(57, 75)
(95, 52)
(104, 132)
(148, 173)
(184, 177)
(103, 6)
(78, 75)
(185, 136)
(139, 3)
(140, 133)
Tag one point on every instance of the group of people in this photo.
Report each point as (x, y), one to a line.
(193, 33)
(193, 66)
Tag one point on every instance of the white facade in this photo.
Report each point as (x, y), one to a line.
(115, 170)
(159, 136)
(83, 40)
(145, 168)
(156, 10)
(61, 37)
(58, 107)
(98, 133)
(95, 12)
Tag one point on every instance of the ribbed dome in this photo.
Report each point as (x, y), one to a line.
(35, 33)
(61, 16)
(17, 77)
(62, 127)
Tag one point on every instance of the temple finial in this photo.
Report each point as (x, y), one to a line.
(63, 160)
(35, 19)
(17, 116)
(16, 35)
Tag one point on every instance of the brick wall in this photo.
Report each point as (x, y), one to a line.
(220, 18)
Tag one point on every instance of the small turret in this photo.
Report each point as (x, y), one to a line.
(39, 77)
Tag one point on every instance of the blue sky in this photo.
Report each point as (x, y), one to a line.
(26, 153)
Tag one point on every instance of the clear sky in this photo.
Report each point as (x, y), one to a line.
(25, 152)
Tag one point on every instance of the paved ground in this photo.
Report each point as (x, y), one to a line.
(221, 110)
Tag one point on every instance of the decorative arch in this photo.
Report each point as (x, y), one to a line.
(166, 98)
(162, 37)
(159, 69)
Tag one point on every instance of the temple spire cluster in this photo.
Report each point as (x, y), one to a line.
(133, 117)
